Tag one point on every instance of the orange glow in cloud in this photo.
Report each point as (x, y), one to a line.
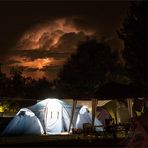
(55, 41)
(37, 63)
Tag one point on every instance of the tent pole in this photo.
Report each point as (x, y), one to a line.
(116, 113)
(94, 105)
(72, 113)
(130, 107)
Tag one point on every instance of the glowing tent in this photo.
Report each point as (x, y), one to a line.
(50, 116)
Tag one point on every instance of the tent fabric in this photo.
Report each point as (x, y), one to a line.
(102, 115)
(50, 116)
(25, 122)
(85, 116)
(54, 115)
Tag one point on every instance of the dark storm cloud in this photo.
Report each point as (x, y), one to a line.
(10, 62)
(66, 45)
(102, 18)
(16, 17)
(31, 69)
(46, 40)
(51, 68)
(69, 41)
(40, 53)
(25, 68)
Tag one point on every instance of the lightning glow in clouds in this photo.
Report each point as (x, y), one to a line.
(46, 35)
(38, 63)
(58, 36)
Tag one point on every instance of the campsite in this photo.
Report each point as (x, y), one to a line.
(54, 122)
(55, 131)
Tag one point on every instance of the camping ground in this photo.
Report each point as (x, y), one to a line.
(60, 141)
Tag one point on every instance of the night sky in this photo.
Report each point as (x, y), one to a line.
(40, 36)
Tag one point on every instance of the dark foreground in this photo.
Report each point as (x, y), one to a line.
(60, 141)
(53, 141)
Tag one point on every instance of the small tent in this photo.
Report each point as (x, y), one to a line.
(84, 116)
(50, 116)
(25, 122)
(102, 115)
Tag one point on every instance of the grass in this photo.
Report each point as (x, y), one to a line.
(61, 141)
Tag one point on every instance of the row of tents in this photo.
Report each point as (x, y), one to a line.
(53, 116)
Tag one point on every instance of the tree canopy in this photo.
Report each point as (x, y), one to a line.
(87, 69)
(18, 86)
(134, 33)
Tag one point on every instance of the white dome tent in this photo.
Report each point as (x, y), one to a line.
(25, 122)
(50, 116)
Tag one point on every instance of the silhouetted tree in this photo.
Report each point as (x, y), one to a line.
(87, 69)
(42, 88)
(17, 82)
(29, 88)
(3, 84)
(134, 33)
(37, 89)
